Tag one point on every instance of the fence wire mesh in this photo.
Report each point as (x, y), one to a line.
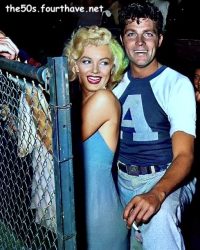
(27, 184)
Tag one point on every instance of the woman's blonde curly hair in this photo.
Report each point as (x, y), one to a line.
(97, 36)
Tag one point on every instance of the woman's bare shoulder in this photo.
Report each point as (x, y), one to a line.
(102, 103)
(105, 96)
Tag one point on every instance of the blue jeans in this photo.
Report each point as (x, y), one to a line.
(163, 231)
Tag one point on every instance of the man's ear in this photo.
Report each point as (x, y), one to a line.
(160, 40)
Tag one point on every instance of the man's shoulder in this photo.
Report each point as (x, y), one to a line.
(173, 73)
(121, 86)
(170, 77)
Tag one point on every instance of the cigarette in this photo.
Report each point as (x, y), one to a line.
(135, 227)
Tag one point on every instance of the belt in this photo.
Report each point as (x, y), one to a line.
(140, 170)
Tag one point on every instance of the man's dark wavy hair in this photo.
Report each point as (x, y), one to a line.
(140, 9)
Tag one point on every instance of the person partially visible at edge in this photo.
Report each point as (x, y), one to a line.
(157, 134)
(97, 61)
(9, 50)
(34, 134)
(196, 82)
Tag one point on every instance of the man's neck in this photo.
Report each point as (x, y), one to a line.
(138, 72)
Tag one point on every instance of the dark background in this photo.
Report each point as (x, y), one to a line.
(44, 34)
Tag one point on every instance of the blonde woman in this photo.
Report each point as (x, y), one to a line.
(98, 62)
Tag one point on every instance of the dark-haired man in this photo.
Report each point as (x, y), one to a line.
(157, 134)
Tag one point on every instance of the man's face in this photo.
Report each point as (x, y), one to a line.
(196, 80)
(140, 40)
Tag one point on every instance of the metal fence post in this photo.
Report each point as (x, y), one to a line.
(62, 151)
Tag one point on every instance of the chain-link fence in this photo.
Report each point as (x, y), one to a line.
(36, 175)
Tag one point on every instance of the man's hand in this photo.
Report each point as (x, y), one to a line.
(7, 48)
(142, 207)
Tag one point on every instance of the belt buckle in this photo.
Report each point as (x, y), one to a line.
(133, 170)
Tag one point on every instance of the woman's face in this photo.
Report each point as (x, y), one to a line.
(94, 67)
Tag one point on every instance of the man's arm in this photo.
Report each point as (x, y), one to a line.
(142, 207)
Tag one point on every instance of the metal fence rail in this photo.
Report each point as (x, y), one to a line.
(36, 174)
